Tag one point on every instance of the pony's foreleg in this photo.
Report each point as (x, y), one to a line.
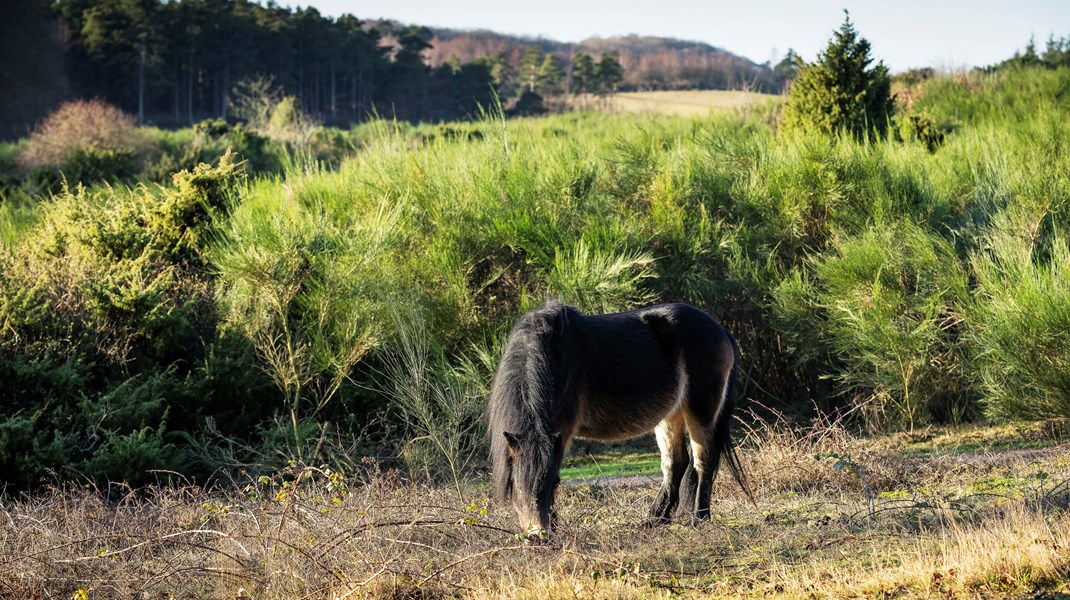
(673, 446)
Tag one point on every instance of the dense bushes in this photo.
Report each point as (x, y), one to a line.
(110, 333)
(887, 306)
(216, 321)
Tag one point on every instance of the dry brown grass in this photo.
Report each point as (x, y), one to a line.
(862, 523)
(81, 124)
(687, 103)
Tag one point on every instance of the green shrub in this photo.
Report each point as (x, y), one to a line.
(1011, 96)
(93, 165)
(1019, 324)
(43, 182)
(889, 309)
(289, 123)
(922, 127)
(310, 292)
(114, 282)
(840, 92)
(598, 281)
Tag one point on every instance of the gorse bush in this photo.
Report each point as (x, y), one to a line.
(109, 335)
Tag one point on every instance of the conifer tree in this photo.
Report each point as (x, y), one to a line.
(529, 67)
(610, 73)
(550, 77)
(840, 91)
(584, 73)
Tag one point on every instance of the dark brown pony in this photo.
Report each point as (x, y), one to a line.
(668, 368)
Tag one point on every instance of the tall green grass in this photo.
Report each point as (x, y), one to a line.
(847, 267)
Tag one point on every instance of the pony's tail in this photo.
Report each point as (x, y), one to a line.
(723, 428)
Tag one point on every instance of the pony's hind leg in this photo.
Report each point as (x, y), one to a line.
(673, 446)
(703, 416)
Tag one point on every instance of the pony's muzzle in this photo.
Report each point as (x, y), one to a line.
(535, 534)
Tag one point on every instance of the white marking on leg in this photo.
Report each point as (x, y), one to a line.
(698, 455)
(664, 434)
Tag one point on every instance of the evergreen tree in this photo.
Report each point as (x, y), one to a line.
(529, 67)
(610, 73)
(788, 68)
(1057, 52)
(550, 77)
(584, 74)
(503, 74)
(1030, 58)
(124, 37)
(840, 91)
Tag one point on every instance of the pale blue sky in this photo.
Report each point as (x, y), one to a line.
(904, 33)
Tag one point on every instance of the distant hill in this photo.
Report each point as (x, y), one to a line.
(650, 63)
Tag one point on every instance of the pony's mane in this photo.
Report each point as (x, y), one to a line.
(521, 397)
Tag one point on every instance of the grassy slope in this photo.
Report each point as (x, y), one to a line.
(836, 516)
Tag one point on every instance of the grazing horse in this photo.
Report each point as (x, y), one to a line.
(668, 368)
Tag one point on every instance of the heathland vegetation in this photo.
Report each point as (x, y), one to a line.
(254, 307)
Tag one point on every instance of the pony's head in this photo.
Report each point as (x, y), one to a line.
(534, 473)
(526, 449)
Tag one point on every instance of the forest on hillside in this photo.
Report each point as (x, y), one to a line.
(176, 63)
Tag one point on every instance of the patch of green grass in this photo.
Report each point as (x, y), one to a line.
(611, 463)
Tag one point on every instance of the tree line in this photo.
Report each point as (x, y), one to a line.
(178, 62)
(650, 63)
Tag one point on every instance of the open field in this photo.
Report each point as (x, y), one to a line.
(836, 516)
(687, 102)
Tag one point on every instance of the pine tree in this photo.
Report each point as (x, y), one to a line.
(549, 80)
(840, 92)
(788, 67)
(584, 73)
(503, 74)
(529, 66)
(610, 73)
